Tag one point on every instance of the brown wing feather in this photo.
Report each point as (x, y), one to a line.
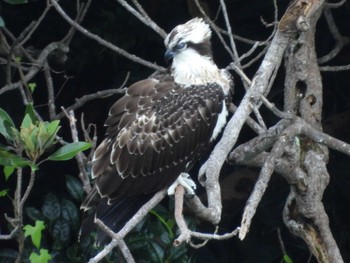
(153, 132)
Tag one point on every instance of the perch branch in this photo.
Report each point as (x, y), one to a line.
(143, 211)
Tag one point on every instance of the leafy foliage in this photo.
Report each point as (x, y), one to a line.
(34, 232)
(42, 257)
(68, 151)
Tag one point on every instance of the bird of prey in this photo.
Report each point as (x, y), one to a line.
(160, 127)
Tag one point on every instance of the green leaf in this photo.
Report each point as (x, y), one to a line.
(74, 187)
(47, 134)
(16, 2)
(51, 208)
(27, 122)
(162, 220)
(43, 256)
(34, 213)
(3, 192)
(8, 170)
(10, 159)
(34, 232)
(287, 259)
(61, 233)
(70, 213)
(32, 86)
(30, 112)
(6, 125)
(68, 151)
(2, 23)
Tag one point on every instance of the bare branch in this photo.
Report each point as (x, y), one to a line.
(34, 69)
(142, 16)
(80, 157)
(335, 5)
(335, 68)
(86, 98)
(260, 82)
(339, 39)
(184, 231)
(50, 92)
(228, 25)
(143, 211)
(261, 185)
(104, 42)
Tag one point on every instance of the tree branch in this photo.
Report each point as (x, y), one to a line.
(104, 42)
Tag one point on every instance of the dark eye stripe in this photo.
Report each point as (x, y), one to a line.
(203, 49)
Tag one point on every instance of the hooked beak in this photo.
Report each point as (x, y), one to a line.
(168, 56)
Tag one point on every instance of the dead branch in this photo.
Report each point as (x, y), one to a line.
(340, 41)
(103, 42)
(260, 82)
(86, 98)
(142, 16)
(34, 69)
(180, 221)
(80, 157)
(261, 185)
(128, 226)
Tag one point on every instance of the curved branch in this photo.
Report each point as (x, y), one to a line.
(103, 42)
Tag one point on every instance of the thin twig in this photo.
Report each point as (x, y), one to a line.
(103, 42)
(50, 92)
(229, 30)
(34, 69)
(80, 157)
(142, 16)
(86, 98)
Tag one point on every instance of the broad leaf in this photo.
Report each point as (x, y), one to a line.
(30, 112)
(3, 192)
(68, 151)
(51, 208)
(8, 170)
(61, 233)
(287, 259)
(10, 159)
(34, 213)
(34, 232)
(2, 23)
(6, 125)
(43, 256)
(27, 122)
(32, 86)
(74, 187)
(47, 134)
(70, 213)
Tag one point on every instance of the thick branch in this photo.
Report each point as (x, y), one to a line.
(260, 82)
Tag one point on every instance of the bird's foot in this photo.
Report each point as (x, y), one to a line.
(185, 180)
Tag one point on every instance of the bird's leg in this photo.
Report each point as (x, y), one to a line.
(185, 180)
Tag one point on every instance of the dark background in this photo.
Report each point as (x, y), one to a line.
(91, 67)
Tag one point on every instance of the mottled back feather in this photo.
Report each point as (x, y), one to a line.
(153, 133)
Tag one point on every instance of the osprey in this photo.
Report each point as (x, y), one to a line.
(160, 128)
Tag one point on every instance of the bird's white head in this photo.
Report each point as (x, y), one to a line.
(194, 31)
(189, 47)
